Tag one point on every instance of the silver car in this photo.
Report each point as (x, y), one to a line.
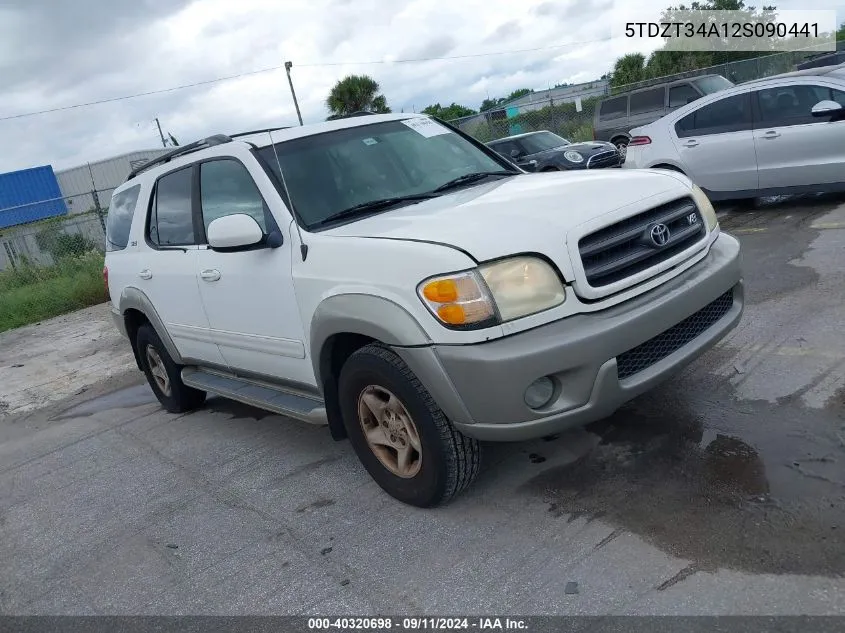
(780, 135)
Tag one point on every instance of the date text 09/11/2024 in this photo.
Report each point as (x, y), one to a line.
(721, 30)
(417, 624)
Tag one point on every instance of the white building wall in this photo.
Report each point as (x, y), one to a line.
(75, 182)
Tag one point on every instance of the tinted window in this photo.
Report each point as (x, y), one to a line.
(119, 221)
(171, 221)
(709, 85)
(790, 105)
(726, 115)
(838, 96)
(333, 171)
(227, 188)
(647, 101)
(506, 147)
(682, 95)
(614, 108)
(542, 141)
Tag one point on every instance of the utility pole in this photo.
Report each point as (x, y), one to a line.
(163, 142)
(288, 66)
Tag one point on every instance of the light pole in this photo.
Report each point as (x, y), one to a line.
(288, 66)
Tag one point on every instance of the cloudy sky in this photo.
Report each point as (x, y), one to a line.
(57, 53)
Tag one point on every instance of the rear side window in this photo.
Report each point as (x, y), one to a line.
(614, 108)
(682, 95)
(732, 114)
(119, 219)
(171, 218)
(647, 101)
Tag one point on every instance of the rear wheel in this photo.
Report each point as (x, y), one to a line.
(164, 375)
(401, 436)
(621, 145)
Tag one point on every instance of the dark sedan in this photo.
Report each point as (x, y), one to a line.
(546, 151)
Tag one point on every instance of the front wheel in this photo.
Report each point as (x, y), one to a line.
(401, 436)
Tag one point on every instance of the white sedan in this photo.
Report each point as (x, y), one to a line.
(780, 135)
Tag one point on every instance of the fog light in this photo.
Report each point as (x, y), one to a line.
(540, 392)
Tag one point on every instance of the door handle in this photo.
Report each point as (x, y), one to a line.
(771, 134)
(210, 274)
(692, 143)
(146, 274)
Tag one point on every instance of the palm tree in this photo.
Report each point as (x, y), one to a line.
(354, 94)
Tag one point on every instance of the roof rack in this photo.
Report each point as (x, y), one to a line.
(336, 117)
(269, 129)
(211, 141)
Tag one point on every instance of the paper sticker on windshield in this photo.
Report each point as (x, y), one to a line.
(370, 141)
(426, 127)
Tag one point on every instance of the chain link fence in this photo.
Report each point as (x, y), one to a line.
(569, 111)
(51, 266)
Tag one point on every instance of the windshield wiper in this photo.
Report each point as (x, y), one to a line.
(472, 177)
(375, 205)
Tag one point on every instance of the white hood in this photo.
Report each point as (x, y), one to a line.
(523, 214)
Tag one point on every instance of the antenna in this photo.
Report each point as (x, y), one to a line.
(303, 247)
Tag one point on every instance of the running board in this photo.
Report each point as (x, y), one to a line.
(258, 394)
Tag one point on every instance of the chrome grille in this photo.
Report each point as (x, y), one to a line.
(655, 349)
(628, 247)
(604, 159)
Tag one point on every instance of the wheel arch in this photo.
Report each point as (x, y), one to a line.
(136, 308)
(345, 323)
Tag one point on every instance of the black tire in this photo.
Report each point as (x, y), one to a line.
(449, 461)
(621, 145)
(181, 398)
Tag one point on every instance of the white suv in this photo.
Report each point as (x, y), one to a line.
(395, 279)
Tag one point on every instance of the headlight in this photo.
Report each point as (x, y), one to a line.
(494, 293)
(706, 207)
(573, 157)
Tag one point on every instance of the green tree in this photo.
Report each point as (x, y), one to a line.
(355, 93)
(490, 104)
(633, 67)
(840, 34)
(449, 113)
(629, 69)
(516, 94)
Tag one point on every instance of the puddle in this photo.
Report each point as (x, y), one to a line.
(755, 487)
(121, 399)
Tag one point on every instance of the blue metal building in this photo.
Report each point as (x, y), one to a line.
(29, 195)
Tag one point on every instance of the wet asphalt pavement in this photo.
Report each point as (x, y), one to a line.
(720, 492)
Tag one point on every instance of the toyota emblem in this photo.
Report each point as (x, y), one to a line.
(659, 234)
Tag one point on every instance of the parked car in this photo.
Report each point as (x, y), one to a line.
(615, 116)
(546, 151)
(780, 135)
(395, 279)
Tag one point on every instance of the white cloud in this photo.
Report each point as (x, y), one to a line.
(55, 53)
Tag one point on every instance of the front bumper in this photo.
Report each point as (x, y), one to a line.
(481, 387)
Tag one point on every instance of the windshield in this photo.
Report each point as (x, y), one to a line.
(541, 142)
(709, 85)
(334, 171)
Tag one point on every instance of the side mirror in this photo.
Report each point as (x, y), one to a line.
(234, 231)
(827, 108)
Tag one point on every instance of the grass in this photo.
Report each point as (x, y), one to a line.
(29, 294)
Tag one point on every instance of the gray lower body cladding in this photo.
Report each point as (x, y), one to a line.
(645, 341)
